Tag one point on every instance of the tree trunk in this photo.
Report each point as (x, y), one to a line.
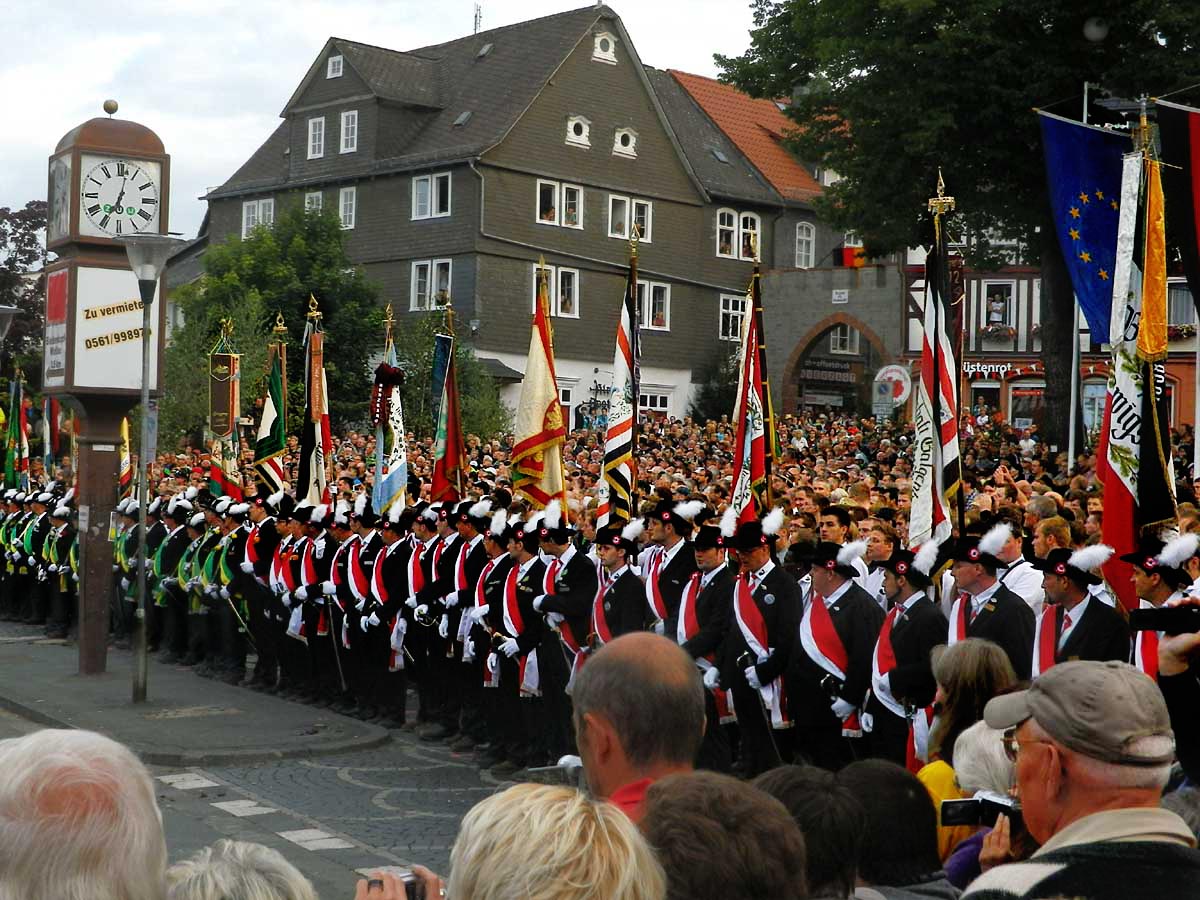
(1058, 330)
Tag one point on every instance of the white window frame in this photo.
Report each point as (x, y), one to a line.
(1179, 299)
(349, 131)
(733, 229)
(844, 340)
(605, 56)
(553, 285)
(581, 140)
(314, 201)
(743, 231)
(663, 407)
(649, 206)
(629, 152)
(851, 239)
(266, 211)
(316, 137)
(624, 232)
(1010, 309)
(351, 194)
(726, 309)
(562, 205)
(806, 252)
(645, 305)
(430, 183)
(334, 66)
(537, 202)
(431, 268)
(249, 217)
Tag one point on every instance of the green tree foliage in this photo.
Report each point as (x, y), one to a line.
(717, 390)
(480, 406)
(275, 270)
(22, 255)
(886, 91)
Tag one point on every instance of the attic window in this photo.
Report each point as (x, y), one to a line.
(334, 67)
(625, 143)
(579, 131)
(463, 119)
(483, 51)
(719, 156)
(605, 48)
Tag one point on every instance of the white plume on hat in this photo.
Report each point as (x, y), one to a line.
(926, 556)
(633, 530)
(553, 515)
(480, 509)
(689, 509)
(531, 524)
(397, 509)
(1179, 550)
(275, 497)
(429, 514)
(222, 505)
(239, 509)
(319, 513)
(729, 521)
(773, 522)
(995, 539)
(341, 514)
(197, 520)
(1088, 559)
(69, 496)
(850, 552)
(191, 493)
(360, 504)
(499, 522)
(62, 512)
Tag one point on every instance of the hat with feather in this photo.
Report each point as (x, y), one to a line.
(754, 534)
(917, 567)
(1078, 565)
(984, 549)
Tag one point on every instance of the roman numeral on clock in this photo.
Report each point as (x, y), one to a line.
(121, 169)
(149, 201)
(107, 174)
(92, 196)
(118, 226)
(92, 210)
(104, 221)
(142, 187)
(145, 215)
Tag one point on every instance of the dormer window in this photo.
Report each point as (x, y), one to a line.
(333, 68)
(605, 48)
(625, 143)
(579, 131)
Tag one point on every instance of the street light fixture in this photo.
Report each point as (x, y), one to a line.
(148, 255)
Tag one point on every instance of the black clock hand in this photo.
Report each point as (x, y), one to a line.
(117, 208)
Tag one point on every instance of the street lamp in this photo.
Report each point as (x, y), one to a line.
(148, 255)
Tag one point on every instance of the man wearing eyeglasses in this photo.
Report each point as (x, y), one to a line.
(1093, 746)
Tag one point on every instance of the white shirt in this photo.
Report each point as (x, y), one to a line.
(757, 578)
(1025, 581)
(707, 577)
(1075, 614)
(978, 601)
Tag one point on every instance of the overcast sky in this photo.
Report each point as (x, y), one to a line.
(210, 76)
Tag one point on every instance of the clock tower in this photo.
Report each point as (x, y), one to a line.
(109, 179)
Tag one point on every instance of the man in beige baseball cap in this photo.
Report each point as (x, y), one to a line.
(1092, 746)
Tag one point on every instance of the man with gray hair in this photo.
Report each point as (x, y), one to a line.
(78, 819)
(237, 870)
(1093, 745)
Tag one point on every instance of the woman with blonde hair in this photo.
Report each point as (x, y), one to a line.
(543, 842)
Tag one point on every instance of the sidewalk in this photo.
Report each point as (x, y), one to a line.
(186, 721)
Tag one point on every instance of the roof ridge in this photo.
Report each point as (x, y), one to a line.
(492, 31)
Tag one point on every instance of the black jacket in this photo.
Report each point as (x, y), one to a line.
(672, 580)
(778, 599)
(714, 616)
(1007, 620)
(914, 635)
(574, 593)
(1101, 634)
(624, 604)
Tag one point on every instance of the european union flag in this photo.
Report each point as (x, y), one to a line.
(1083, 174)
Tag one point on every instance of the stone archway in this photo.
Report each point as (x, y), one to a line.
(789, 394)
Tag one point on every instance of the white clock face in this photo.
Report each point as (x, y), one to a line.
(118, 197)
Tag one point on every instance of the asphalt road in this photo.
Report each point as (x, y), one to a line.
(331, 817)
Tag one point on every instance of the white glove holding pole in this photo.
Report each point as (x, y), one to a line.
(411, 602)
(444, 627)
(422, 610)
(302, 593)
(510, 648)
(248, 567)
(478, 613)
(751, 674)
(328, 588)
(712, 678)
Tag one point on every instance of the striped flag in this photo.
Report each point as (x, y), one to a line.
(1179, 129)
(620, 470)
(125, 475)
(271, 443)
(315, 439)
(540, 427)
(224, 475)
(50, 424)
(16, 461)
(449, 452)
(387, 414)
(937, 469)
(1134, 457)
(753, 448)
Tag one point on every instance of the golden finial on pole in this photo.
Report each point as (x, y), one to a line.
(635, 237)
(389, 320)
(314, 309)
(280, 329)
(941, 204)
(227, 328)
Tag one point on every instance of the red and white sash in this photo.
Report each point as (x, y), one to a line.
(551, 574)
(658, 606)
(916, 754)
(686, 629)
(883, 660)
(599, 619)
(278, 564)
(1145, 646)
(754, 631)
(465, 621)
(959, 618)
(514, 624)
(356, 576)
(824, 647)
(1045, 639)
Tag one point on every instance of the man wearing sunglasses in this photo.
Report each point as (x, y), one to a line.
(1093, 746)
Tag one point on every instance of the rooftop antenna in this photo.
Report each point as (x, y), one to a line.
(478, 17)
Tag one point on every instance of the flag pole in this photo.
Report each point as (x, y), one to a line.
(764, 382)
(280, 333)
(635, 236)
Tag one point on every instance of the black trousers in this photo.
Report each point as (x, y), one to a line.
(763, 747)
(888, 738)
(554, 672)
(715, 753)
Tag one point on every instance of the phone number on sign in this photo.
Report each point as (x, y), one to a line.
(113, 338)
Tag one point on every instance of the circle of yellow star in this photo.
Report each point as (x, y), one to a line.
(1083, 198)
(1099, 195)
(1074, 233)
(1104, 275)
(1114, 204)
(1085, 256)
(1074, 212)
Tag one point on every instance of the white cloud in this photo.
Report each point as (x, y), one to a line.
(210, 76)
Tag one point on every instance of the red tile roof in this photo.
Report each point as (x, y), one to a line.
(758, 128)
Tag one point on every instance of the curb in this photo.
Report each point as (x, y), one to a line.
(376, 736)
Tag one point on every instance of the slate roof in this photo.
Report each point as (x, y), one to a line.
(758, 128)
(702, 140)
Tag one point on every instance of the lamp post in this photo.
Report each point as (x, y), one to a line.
(148, 255)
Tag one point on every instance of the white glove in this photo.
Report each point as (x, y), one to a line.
(191, 584)
(224, 593)
(360, 604)
(166, 582)
(841, 708)
(660, 627)
(478, 613)
(75, 576)
(364, 623)
(32, 560)
(553, 619)
(248, 567)
(510, 648)
(328, 588)
(286, 597)
(372, 618)
(444, 627)
(451, 600)
(537, 602)
(301, 593)
(411, 602)
(752, 678)
(712, 678)
(52, 568)
(421, 610)
(116, 568)
(124, 584)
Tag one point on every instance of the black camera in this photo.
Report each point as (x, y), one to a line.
(1170, 620)
(978, 811)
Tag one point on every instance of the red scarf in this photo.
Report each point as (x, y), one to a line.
(687, 628)
(1145, 647)
(658, 605)
(883, 661)
(824, 647)
(959, 621)
(599, 619)
(514, 623)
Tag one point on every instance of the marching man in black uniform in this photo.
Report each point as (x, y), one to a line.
(487, 618)
(831, 668)
(471, 519)
(1158, 576)
(620, 603)
(901, 670)
(985, 608)
(766, 607)
(667, 573)
(261, 542)
(1073, 623)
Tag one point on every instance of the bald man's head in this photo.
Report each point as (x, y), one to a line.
(649, 689)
